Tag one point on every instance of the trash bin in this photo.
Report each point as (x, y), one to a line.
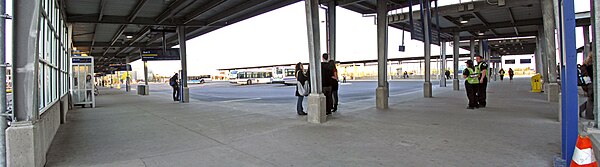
(142, 90)
(536, 83)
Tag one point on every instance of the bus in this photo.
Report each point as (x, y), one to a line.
(232, 76)
(290, 77)
(278, 74)
(200, 79)
(249, 77)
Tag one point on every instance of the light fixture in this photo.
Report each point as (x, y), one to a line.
(129, 36)
(463, 21)
(481, 33)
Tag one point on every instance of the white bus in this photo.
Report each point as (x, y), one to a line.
(249, 77)
(278, 74)
(290, 77)
(232, 76)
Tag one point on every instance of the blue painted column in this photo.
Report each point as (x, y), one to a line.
(568, 79)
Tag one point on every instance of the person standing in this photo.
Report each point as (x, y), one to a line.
(471, 84)
(334, 87)
(174, 82)
(327, 82)
(302, 79)
(511, 73)
(587, 71)
(481, 69)
(501, 72)
(448, 74)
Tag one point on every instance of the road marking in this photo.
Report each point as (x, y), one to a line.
(405, 93)
(238, 100)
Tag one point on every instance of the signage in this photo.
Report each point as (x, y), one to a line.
(81, 60)
(120, 67)
(416, 31)
(159, 54)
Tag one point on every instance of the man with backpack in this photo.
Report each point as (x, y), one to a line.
(175, 85)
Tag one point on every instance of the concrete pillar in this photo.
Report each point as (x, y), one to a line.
(443, 66)
(427, 89)
(21, 137)
(595, 8)
(481, 50)
(550, 48)
(382, 91)
(472, 43)
(184, 92)
(331, 26)
(316, 99)
(538, 54)
(543, 57)
(455, 56)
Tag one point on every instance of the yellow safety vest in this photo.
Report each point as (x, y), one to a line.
(472, 78)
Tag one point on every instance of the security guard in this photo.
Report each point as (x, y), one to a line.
(481, 69)
(471, 83)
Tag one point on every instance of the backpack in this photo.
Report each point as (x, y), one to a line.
(172, 81)
(303, 90)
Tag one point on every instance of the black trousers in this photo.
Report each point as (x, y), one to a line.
(472, 93)
(328, 99)
(501, 77)
(175, 93)
(481, 93)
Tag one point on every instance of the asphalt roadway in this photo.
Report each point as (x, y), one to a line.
(349, 92)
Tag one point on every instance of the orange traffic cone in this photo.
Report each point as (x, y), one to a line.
(583, 154)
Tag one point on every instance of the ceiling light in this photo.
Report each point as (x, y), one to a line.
(464, 21)
(129, 36)
(481, 33)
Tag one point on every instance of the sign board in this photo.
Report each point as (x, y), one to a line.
(120, 67)
(80, 60)
(159, 54)
(495, 59)
(416, 31)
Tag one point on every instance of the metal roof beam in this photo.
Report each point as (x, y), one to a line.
(107, 44)
(485, 23)
(108, 19)
(457, 24)
(202, 9)
(522, 34)
(167, 13)
(234, 10)
(512, 19)
(508, 24)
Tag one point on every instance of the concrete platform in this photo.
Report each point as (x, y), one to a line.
(518, 128)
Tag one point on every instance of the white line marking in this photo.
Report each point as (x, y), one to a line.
(238, 100)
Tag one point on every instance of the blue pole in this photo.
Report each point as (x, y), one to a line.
(569, 80)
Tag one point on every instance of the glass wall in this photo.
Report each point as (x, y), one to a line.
(53, 51)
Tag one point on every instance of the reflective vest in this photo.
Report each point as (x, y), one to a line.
(473, 76)
(478, 69)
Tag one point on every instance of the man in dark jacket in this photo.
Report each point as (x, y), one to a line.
(327, 82)
(173, 81)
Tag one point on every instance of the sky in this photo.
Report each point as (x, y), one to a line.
(279, 37)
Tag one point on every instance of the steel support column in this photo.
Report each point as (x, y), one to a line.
(382, 91)
(586, 41)
(550, 48)
(331, 27)
(25, 60)
(3, 122)
(443, 66)
(455, 82)
(472, 44)
(316, 99)
(184, 91)
(595, 8)
(127, 78)
(568, 79)
(427, 92)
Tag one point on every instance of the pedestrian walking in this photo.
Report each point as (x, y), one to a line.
(511, 73)
(471, 84)
(501, 72)
(344, 81)
(327, 82)
(587, 72)
(302, 88)
(481, 69)
(405, 75)
(448, 74)
(174, 82)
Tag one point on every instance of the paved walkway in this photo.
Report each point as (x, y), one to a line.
(518, 128)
